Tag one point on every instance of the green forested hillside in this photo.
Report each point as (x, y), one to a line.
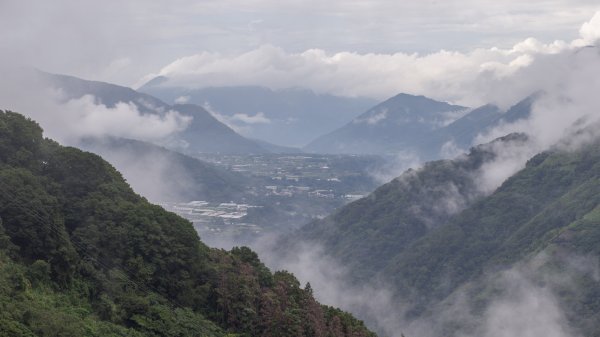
(550, 208)
(368, 233)
(82, 255)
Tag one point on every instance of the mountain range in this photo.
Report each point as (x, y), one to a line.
(291, 117)
(414, 126)
(417, 126)
(438, 236)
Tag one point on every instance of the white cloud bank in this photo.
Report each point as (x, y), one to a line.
(470, 78)
(84, 118)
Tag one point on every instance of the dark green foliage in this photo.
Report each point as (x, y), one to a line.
(32, 220)
(20, 140)
(520, 218)
(82, 255)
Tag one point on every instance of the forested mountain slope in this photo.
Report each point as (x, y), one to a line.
(547, 212)
(82, 255)
(369, 232)
(557, 192)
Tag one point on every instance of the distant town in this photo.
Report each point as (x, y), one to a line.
(289, 190)
(344, 177)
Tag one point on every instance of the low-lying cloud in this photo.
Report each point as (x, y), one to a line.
(84, 118)
(258, 118)
(69, 120)
(521, 300)
(563, 115)
(239, 122)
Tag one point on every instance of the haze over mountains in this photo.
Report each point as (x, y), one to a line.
(417, 126)
(204, 133)
(288, 117)
(404, 125)
(176, 177)
(412, 126)
(409, 125)
(445, 247)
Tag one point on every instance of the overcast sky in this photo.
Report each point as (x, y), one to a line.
(125, 42)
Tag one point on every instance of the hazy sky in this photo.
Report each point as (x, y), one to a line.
(124, 41)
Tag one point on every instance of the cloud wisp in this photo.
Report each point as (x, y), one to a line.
(69, 120)
(522, 300)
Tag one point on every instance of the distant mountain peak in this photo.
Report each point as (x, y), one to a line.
(156, 81)
(390, 126)
(418, 126)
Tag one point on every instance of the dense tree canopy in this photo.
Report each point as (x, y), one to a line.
(82, 255)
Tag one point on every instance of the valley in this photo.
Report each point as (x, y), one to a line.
(284, 192)
(361, 168)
